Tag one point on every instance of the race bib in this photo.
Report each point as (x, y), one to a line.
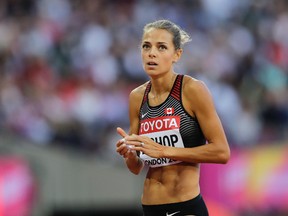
(165, 131)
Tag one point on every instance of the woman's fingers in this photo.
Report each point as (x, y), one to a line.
(129, 143)
(125, 150)
(122, 150)
(135, 143)
(122, 147)
(121, 132)
(120, 142)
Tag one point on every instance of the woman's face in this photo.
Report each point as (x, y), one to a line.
(158, 52)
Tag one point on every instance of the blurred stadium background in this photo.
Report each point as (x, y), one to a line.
(67, 67)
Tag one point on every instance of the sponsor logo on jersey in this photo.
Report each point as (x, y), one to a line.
(159, 124)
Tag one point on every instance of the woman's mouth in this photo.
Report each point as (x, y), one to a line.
(152, 64)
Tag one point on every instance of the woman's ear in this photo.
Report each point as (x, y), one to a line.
(177, 55)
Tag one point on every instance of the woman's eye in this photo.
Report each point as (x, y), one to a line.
(145, 46)
(162, 47)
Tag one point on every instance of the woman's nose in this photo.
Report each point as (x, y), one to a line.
(152, 52)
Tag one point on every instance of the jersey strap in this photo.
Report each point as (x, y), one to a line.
(147, 90)
(176, 90)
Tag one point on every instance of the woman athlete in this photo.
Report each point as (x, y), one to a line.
(173, 128)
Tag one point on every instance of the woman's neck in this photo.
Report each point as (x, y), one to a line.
(162, 85)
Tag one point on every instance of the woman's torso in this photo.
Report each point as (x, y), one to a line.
(170, 123)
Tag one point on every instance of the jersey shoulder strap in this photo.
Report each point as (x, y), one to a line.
(145, 96)
(176, 90)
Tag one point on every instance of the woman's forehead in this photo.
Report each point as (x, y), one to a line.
(157, 35)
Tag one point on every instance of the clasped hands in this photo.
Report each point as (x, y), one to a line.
(129, 144)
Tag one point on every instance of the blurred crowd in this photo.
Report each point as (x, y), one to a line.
(67, 66)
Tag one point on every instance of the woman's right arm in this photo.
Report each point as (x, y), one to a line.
(132, 160)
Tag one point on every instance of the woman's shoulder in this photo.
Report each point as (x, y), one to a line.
(193, 85)
(138, 92)
(196, 94)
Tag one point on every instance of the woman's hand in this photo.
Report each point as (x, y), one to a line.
(132, 160)
(145, 145)
(122, 148)
(125, 150)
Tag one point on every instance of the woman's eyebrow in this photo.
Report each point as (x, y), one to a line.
(160, 42)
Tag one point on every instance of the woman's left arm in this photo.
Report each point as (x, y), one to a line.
(200, 102)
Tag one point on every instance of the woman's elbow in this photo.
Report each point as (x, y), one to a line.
(224, 156)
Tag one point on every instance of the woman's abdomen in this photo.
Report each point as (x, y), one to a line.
(170, 184)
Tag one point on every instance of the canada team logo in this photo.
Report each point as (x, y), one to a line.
(169, 111)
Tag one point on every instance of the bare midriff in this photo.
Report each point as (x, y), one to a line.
(171, 184)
